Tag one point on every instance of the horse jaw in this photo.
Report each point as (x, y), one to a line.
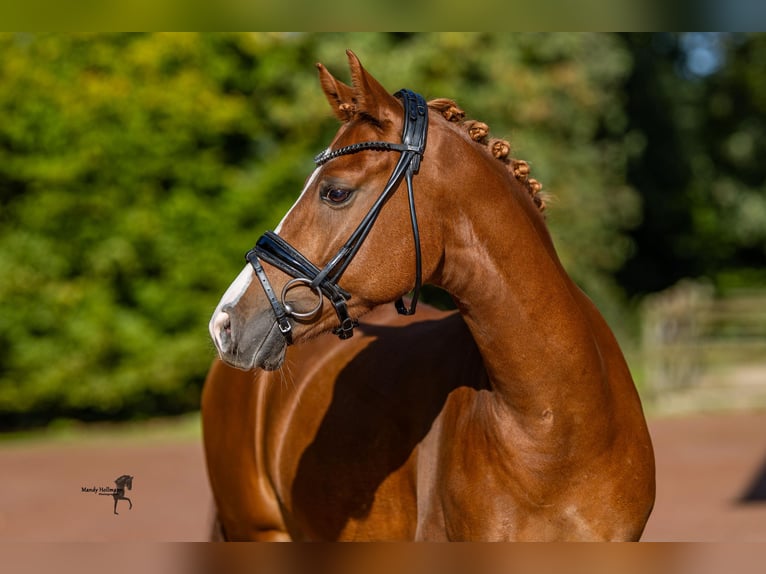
(270, 352)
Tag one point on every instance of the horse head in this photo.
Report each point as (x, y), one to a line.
(355, 238)
(335, 200)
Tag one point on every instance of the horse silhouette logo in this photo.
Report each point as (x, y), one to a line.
(118, 492)
(123, 482)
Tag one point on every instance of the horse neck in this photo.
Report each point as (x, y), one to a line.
(533, 326)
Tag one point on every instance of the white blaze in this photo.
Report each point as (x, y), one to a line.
(310, 180)
(231, 297)
(237, 288)
(240, 285)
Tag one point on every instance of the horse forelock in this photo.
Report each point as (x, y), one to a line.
(498, 148)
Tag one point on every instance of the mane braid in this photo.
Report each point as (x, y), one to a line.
(498, 148)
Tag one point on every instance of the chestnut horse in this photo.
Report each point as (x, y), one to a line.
(515, 418)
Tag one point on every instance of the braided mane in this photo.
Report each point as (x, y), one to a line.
(500, 149)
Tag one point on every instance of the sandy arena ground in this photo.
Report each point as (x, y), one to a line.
(707, 466)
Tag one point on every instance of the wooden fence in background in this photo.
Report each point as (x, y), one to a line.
(704, 351)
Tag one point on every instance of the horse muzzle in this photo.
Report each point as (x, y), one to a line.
(257, 343)
(245, 338)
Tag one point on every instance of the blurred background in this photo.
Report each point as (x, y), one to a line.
(137, 169)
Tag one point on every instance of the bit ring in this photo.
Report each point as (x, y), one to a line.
(302, 316)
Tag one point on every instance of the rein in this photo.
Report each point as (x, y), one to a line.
(271, 248)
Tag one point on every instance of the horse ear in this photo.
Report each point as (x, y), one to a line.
(339, 95)
(370, 97)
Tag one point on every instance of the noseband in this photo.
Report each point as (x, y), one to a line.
(324, 282)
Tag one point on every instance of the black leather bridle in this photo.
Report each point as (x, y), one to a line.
(324, 282)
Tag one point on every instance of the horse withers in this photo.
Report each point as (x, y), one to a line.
(514, 418)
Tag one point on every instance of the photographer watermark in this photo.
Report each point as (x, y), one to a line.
(117, 492)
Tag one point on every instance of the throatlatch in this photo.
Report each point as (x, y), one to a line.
(279, 253)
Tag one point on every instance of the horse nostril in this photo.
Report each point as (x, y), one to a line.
(221, 331)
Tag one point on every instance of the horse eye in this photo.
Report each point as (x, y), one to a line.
(336, 195)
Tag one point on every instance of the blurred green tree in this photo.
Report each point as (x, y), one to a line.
(130, 180)
(729, 167)
(696, 105)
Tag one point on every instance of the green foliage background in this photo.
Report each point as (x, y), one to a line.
(137, 169)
